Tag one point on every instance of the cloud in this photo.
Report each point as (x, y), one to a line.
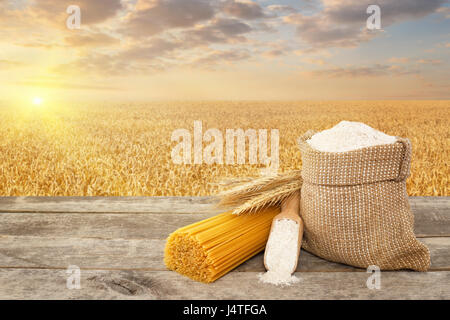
(153, 49)
(342, 23)
(39, 43)
(376, 70)
(276, 49)
(95, 64)
(12, 20)
(272, 54)
(229, 27)
(217, 31)
(156, 54)
(26, 22)
(430, 61)
(155, 16)
(282, 8)
(80, 38)
(10, 64)
(247, 10)
(399, 60)
(91, 11)
(264, 27)
(218, 57)
(444, 11)
(319, 62)
(162, 52)
(319, 33)
(354, 12)
(65, 85)
(221, 30)
(94, 39)
(148, 33)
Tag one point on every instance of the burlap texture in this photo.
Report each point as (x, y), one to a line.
(355, 207)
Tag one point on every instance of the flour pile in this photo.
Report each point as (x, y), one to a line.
(347, 136)
(281, 253)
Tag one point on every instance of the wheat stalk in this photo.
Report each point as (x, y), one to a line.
(261, 192)
(243, 192)
(268, 198)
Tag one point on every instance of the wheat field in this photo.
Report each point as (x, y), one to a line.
(125, 149)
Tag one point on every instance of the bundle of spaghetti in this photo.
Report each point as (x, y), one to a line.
(207, 250)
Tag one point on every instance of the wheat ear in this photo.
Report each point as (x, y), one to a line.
(268, 198)
(240, 193)
(252, 196)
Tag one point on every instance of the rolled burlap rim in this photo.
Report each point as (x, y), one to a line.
(389, 162)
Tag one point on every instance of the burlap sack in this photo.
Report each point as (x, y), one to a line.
(355, 207)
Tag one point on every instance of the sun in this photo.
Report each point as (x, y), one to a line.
(37, 101)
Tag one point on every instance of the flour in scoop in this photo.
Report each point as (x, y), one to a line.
(281, 253)
(347, 136)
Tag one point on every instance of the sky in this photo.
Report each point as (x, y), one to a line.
(143, 50)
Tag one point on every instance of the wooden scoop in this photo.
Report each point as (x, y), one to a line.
(290, 209)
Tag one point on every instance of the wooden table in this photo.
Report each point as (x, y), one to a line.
(118, 245)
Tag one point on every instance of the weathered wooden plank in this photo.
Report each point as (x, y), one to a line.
(437, 201)
(440, 252)
(137, 254)
(108, 204)
(431, 217)
(85, 253)
(148, 204)
(87, 225)
(95, 284)
(151, 226)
